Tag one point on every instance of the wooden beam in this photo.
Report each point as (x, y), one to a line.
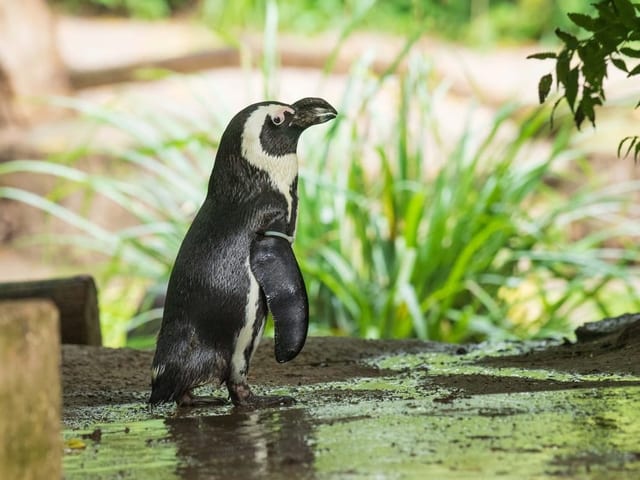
(76, 299)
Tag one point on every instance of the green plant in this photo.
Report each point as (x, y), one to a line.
(582, 64)
(400, 253)
(147, 9)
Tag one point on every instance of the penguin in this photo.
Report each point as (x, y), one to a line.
(236, 261)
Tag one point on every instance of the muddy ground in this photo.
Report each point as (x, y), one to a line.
(373, 409)
(96, 376)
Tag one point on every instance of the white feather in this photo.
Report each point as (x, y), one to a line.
(245, 335)
(157, 371)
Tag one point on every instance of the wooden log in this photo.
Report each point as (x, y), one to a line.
(211, 59)
(30, 392)
(219, 58)
(76, 299)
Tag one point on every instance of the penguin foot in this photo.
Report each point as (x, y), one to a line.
(242, 397)
(189, 400)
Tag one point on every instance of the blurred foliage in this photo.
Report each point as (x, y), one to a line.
(611, 37)
(398, 235)
(146, 9)
(466, 20)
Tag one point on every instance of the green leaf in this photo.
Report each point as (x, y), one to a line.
(632, 141)
(571, 87)
(578, 116)
(609, 37)
(587, 105)
(542, 55)
(635, 71)
(630, 52)
(626, 11)
(594, 67)
(569, 40)
(562, 66)
(553, 111)
(618, 62)
(584, 21)
(544, 86)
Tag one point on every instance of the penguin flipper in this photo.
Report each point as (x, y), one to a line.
(275, 268)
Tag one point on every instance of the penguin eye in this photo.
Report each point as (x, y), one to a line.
(277, 119)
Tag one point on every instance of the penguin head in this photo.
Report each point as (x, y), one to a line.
(266, 136)
(273, 127)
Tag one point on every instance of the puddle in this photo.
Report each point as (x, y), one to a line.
(401, 426)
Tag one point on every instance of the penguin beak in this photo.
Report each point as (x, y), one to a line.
(312, 111)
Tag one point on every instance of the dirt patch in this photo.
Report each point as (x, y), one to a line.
(489, 384)
(97, 376)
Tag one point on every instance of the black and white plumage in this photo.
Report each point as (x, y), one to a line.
(236, 262)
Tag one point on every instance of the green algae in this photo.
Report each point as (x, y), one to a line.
(445, 364)
(84, 417)
(524, 435)
(138, 449)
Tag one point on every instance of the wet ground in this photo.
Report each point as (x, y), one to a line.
(373, 409)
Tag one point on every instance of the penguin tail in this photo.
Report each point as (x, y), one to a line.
(170, 381)
(163, 388)
(158, 396)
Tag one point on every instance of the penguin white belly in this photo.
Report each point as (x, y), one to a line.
(239, 363)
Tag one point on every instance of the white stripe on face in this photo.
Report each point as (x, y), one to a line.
(282, 170)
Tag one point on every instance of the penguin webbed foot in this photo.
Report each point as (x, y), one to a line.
(242, 397)
(189, 400)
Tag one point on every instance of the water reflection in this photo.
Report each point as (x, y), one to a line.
(271, 444)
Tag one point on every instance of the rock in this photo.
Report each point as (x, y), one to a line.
(592, 330)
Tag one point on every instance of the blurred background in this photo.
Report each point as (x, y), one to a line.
(441, 204)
